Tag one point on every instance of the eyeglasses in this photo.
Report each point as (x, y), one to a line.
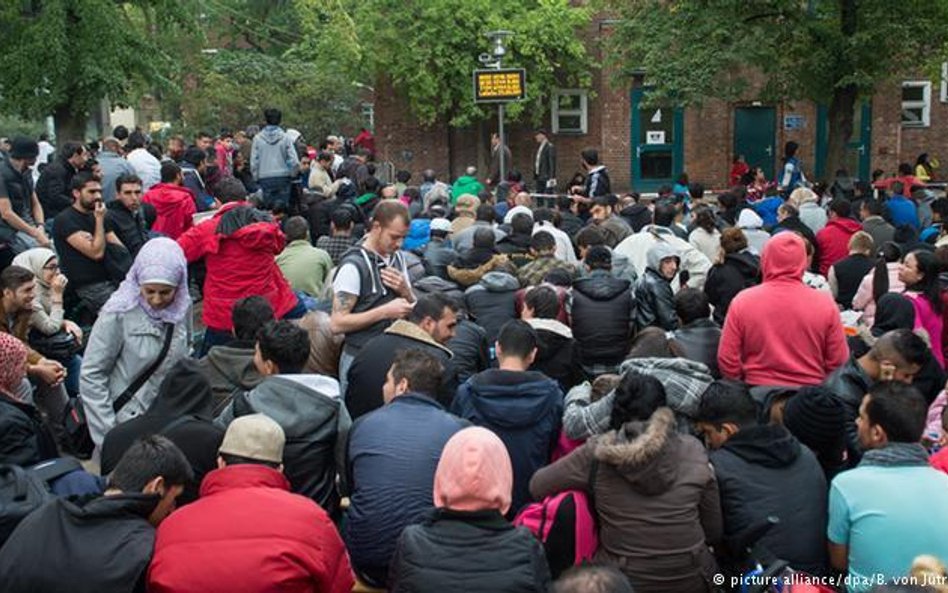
(51, 267)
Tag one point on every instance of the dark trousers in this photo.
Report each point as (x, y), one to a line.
(276, 192)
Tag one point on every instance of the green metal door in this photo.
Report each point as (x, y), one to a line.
(754, 129)
(858, 149)
(657, 147)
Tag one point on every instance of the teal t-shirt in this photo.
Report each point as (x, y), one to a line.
(888, 516)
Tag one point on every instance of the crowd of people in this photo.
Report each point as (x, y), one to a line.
(386, 378)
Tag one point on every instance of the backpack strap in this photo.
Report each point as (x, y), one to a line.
(591, 495)
(146, 374)
(53, 469)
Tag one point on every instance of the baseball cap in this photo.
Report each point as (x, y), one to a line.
(441, 224)
(24, 148)
(254, 437)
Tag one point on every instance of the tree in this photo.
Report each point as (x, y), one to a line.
(833, 52)
(62, 57)
(428, 49)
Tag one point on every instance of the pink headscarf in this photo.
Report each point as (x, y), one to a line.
(13, 356)
(474, 473)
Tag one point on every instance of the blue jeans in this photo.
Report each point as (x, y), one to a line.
(276, 192)
(213, 337)
(73, 368)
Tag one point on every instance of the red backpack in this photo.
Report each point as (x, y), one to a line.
(565, 523)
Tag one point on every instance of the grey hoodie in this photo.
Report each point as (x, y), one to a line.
(273, 154)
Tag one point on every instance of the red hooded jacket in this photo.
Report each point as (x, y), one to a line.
(833, 241)
(782, 332)
(238, 265)
(175, 207)
(247, 532)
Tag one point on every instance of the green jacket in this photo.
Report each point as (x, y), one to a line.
(465, 185)
(304, 266)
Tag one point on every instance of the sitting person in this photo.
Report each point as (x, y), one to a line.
(229, 367)
(762, 471)
(307, 407)
(492, 301)
(465, 544)
(654, 296)
(128, 215)
(543, 250)
(656, 498)
(24, 439)
(392, 457)
(893, 506)
(182, 413)
(439, 254)
(304, 266)
(104, 544)
(523, 407)
(557, 353)
(340, 239)
(697, 337)
(846, 275)
(220, 544)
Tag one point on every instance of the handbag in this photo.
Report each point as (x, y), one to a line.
(60, 346)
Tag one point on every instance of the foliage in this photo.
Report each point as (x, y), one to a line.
(11, 126)
(429, 48)
(62, 57)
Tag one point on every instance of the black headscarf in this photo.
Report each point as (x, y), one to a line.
(893, 311)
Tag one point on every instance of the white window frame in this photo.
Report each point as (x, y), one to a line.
(943, 95)
(925, 104)
(582, 112)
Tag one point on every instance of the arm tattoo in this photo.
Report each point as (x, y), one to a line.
(344, 302)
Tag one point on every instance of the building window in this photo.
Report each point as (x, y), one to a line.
(916, 103)
(944, 82)
(368, 115)
(569, 111)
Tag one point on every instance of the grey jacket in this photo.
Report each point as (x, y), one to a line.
(122, 345)
(272, 154)
(113, 167)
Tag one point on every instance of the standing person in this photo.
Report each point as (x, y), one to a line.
(371, 286)
(305, 267)
(847, 274)
(465, 544)
(391, 460)
(83, 238)
(126, 213)
(102, 544)
(141, 332)
(782, 332)
(656, 498)
(833, 239)
(215, 545)
(496, 149)
(544, 164)
(792, 176)
(53, 185)
(597, 178)
(523, 407)
(174, 204)
(238, 245)
(21, 215)
(147, 167)
(893, 506)
(273, 160)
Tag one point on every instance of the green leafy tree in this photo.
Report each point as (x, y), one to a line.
(62, 57)
(428, 49)
(830, 51)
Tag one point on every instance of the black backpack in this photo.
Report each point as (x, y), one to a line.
(21, 492)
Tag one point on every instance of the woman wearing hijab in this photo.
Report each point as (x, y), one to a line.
(24, 439)
(48, 314)
(466, 544)
(141, 332)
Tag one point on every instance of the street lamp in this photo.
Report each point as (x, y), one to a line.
(493, 60)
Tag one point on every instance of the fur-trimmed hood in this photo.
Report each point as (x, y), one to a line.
(407, 329)
(644, 453)
(470, 277)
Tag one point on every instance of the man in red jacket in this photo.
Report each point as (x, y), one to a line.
(833, 239)
(174, 203)
(247, 532)
(239, 245)
(782, 332)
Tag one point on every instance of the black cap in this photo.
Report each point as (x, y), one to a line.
(24, 147)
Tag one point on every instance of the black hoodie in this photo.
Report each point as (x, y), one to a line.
(763, 471)
(738, 271)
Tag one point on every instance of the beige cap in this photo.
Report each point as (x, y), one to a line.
(254, 437)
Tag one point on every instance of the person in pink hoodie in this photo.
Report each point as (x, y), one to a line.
(781, 332)
(833, 240)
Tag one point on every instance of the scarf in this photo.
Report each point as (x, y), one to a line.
(896, 455)
(159, 260)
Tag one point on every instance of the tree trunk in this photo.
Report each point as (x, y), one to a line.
(840, 129)
(69, 125)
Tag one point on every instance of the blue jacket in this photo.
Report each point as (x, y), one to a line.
(391, 460)
(525, 409)
(901, 211)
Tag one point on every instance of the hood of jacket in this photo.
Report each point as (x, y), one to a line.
(235, 363)
(749, 219)
(433, 284)
(468, 276)
(769, 445)
(184, 390)
(745, 261)
(848, 225)
(658, 252)
(513, 399)
(127, 504)
(496, 281)
(272, 134)
(295, 402)
(169, 193)
(412, 331)
(552, 326)
(601, 285)
(643, 452)
(637, 215)
(235, 477)
(784, 258)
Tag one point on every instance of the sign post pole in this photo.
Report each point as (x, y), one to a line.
(498, 86)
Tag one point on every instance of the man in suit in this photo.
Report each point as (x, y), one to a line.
(544, 165)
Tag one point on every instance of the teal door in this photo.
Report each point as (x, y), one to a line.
(754, 129)
(657, 148)
(858, 149)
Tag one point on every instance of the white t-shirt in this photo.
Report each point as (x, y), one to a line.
(347, 278)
